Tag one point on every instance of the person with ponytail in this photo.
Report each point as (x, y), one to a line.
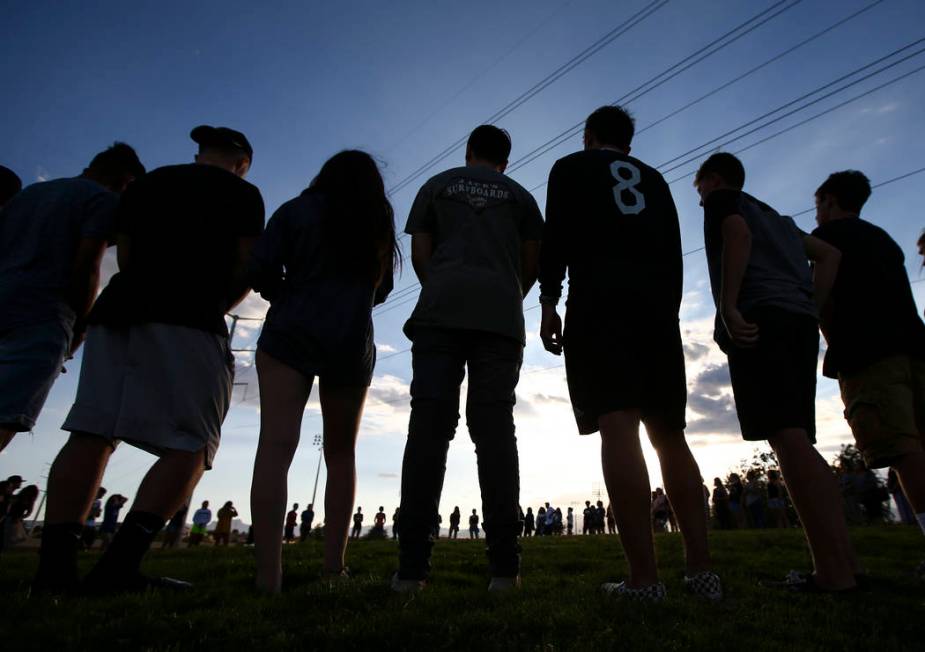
(326, 259)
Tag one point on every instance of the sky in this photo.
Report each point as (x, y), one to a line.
(405, 80)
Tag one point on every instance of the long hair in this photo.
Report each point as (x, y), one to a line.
(359, 224)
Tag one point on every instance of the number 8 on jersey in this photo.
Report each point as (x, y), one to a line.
(624, 184)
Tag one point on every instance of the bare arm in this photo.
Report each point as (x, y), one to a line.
(422, 249)
(85, 281)
(737, 246)
(827, 259)
(529, 264)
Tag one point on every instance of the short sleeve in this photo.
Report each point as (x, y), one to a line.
(252, 214)
(100, 214)
(422, 218)
(719, 205)
(531, 227)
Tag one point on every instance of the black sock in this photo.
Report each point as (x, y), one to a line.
(58, 555)
(122, 558)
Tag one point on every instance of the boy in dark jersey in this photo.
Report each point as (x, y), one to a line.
(875, 335)
(157, 369)
(475, 240)
(766, 301)
(611, 223)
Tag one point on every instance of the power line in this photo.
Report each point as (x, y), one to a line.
(556, 74)
(735, 79)
(663, 77)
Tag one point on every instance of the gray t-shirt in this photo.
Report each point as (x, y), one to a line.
(778, 273)
(40, 230)
(478, 219)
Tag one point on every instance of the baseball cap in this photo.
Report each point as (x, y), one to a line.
(222, 137)
(13, 479)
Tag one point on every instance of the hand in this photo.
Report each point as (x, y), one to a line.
(551, 330)
(76, 341)
(744, 334)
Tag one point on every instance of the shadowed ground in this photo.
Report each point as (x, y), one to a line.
(559, 607)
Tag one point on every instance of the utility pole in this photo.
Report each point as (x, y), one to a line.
(319, 442)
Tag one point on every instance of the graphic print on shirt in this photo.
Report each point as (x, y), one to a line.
(627, 184)
(477, 194)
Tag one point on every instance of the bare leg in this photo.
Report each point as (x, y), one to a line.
(342, 408)
(818, 501)
(685, 492)
(627, 482)
(911, 470)
(283, 394)
(75, 477)
(169, 482)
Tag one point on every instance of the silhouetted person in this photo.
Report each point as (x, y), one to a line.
(587, 519)
(10, 184)
(357, 524)
(721, 510)
(612, 225)
(111, 509)
(326, 259)
(541, 521)
(766, 323)
(396, 518)
(305, 525)
(292, 518)
(379, 520)
(173, 531)
(222, 531)
(53, 235)
(454, 523)
(475, 237)
(13, 526)
(88, 536)
(529, 523)
(474, 525)
(184, 237)
(611, 522)
(875, 336)
(201, 519)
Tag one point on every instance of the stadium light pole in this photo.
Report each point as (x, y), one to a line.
(319, 442)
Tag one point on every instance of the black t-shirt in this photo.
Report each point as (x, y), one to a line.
(184, 222)
(871, 313)
(611, 222)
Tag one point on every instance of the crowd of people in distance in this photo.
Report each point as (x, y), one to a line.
(16, 505)
(157, 368)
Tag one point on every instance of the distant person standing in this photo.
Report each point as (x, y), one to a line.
(754, 498)
(875, 335)
(777, 501)
(721, 510)
(327, 258)
(474, 525)
(201, 519)
(549, 526)
(111, 509)
(396, 517)
(357, 524)
(529, 522)
(454, 523)
(90, 531)
(600, 517)
(736, 506)
(475, 236)
(587, 519)
(541, 521)
(570, 521)
(611, 522)
(612, 226)
(53, 235)
(157, 369)
(12, 528)
(292, 517)
(305, 525)
(767, 301)
(10, 184)
(379, 521)
(173, 531)
(223, 527)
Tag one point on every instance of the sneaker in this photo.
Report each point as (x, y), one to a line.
(502, 584)
(407, 586)
(652, 593)
(705, 585)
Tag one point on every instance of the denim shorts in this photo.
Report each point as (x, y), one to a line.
(30, 360)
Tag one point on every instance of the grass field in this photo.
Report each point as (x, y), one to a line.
(558, 608)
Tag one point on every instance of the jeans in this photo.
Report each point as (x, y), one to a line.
(439, 361)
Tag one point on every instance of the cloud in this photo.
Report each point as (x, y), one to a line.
(710, 397)
(695, 350)
(385, 348)
(389, 476)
